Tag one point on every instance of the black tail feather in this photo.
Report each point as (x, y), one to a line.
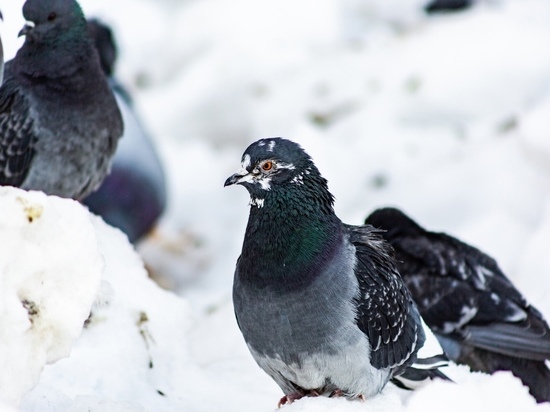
(421, 371)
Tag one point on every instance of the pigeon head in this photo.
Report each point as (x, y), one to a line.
(275, 165)
(48, 20)
(394, 222)
(104, 41)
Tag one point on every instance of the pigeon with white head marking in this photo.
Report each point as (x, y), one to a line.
(320, 303)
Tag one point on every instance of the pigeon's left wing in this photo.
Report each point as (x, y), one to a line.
(385, 310)
(16, 135)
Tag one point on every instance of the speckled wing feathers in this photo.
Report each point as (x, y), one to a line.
(384, 308)
(462, 291)
(16, 137)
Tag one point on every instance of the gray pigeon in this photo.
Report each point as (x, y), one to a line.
(320, 303)
(59, 121)
(1, 56)
(133, 196)
(477, 314)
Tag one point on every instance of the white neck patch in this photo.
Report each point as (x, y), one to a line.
(259, 203)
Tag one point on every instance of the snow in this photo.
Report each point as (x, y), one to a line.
(446, 117)
(48, 284)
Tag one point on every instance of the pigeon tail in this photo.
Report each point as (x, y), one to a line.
(422, 371)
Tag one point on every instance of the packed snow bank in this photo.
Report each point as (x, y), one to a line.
(132, 349)
(50, 270)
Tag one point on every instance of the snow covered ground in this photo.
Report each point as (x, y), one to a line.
(446, 117)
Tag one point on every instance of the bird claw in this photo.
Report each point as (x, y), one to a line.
(291, 397)
(288, 399)
(336, 393)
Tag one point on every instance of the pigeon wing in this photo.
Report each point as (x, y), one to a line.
(385, 310)
(462, 291)
(17, 139)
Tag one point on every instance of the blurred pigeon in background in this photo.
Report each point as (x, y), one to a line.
(133, 196)
(1, 56)
(320, 303)
(59, 121)
(478, 316)
(441, 6)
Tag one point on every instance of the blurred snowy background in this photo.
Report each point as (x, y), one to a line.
(445, 116)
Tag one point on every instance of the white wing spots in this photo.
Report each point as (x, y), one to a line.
(261, 143)
(467, 313)
(495, 298)
(462, 270)
(271, 146)
(515, 313)
(481, 273)
(246, 161)
(259, 203)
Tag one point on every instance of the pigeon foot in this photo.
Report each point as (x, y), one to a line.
(337, 393)
(291, 397)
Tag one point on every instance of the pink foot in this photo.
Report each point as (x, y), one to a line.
(291, 397)
(288, 399)
(336, 393)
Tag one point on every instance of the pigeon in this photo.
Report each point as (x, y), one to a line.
(1, 56)
(133, 196)
(479, 317)
(59, 120)
(445, 6)
(319, 303)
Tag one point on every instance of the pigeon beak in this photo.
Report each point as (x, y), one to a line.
(27, 28)
(235, 179)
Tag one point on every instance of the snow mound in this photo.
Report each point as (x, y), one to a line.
(132, 354)
(50, 270)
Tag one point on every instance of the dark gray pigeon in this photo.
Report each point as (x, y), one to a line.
(133, 196)
(443, 6)
(1, 56)
(59, 121)
(477, 314)
(319, 303)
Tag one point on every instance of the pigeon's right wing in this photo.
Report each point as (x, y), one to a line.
(16, 135)
(385, 310)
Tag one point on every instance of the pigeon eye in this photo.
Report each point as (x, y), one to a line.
(52, 16)
(267, 166)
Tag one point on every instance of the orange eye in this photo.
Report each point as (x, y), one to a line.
(266, 166)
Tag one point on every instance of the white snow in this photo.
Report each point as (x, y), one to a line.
(50, 271)
(446, 117)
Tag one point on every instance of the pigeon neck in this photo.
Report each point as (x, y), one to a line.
(43, 63)
(289, 238)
